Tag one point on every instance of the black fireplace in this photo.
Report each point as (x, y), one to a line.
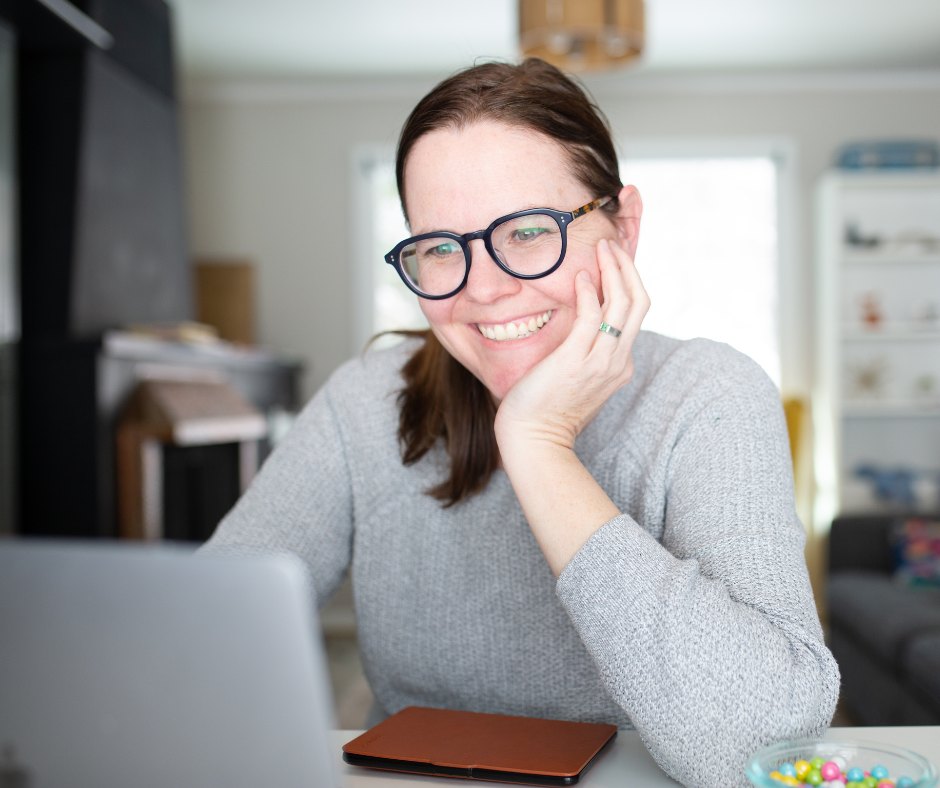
(102, 245)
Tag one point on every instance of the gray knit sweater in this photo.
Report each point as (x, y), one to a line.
(689, 617)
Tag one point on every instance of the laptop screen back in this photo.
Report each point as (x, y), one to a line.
(152, 667)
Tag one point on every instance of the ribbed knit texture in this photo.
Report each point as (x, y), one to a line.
(690, 617)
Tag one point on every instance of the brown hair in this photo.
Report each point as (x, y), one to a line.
(442, 399)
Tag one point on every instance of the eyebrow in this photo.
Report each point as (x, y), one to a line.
(527, 207)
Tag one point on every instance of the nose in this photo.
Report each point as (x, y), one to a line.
(487, 282)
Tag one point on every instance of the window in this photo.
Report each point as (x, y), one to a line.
(383, 302)
(709, 248)
(395, 306)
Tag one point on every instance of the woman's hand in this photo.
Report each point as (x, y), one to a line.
(540, 417)
(560, 395)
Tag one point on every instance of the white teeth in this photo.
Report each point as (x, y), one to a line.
(515, 330)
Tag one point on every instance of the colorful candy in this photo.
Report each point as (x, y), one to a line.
(819, 773)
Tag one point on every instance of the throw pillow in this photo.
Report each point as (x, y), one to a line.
(916, 544)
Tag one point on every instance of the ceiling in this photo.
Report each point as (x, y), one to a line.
(316, 38)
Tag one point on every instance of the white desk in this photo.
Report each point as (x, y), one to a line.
(627, 758)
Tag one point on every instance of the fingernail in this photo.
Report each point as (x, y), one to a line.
(604, 245)
(585, 276)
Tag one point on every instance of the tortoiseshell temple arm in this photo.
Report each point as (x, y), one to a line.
(600, 202)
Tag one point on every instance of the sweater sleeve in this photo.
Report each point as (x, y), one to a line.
(710, 641)
(300, 502)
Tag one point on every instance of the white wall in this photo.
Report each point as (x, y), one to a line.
(269, 171)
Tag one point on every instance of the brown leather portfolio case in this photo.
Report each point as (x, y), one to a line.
(481, 746)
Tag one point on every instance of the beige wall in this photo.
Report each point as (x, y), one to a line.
(270, 176)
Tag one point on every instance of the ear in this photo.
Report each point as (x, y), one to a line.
(628, 219)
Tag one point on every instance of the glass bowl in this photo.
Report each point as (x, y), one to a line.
(865, 755)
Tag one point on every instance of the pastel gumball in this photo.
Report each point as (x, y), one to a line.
(879, 772)
(830, 771)
(788, 770)
(855, 775)
(839, 761)
(802, 767)
(904, 782)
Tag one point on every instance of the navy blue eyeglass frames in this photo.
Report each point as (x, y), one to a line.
(527, 244)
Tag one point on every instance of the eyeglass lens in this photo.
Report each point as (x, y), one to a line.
(527, 245)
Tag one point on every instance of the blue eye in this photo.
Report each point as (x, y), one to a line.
(529, 233)
(442, 250)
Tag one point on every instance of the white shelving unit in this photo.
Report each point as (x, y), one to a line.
(877, 396)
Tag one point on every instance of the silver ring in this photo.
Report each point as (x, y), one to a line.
(609, 329)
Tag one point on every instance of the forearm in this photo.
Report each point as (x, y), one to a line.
(705, 677)
(560, 499)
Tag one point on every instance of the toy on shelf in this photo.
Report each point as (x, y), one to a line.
(926, 316)
(868, 378)
(872, 316)
(855, 239)
(902, 488)
(925, 387)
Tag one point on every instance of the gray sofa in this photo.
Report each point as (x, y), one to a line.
(885, 637)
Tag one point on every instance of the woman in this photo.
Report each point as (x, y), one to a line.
(541, 517)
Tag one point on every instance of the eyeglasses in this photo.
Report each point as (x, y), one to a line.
(526, 244)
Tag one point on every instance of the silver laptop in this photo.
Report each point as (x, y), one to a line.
(131, 666)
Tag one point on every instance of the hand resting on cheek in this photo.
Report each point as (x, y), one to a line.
(542, 414)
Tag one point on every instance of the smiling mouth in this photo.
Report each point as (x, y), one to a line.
(517, 329)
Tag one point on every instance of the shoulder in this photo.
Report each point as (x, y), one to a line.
(682, 389)
(357, 406)
(371, 378)
(699, 370)
(687, 388)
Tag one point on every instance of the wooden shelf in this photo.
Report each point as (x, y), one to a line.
(885, 258)
(890, 409)
(890, 334)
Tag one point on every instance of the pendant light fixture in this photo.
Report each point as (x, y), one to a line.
(582, 35)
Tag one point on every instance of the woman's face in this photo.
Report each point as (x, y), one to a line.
(461, 180)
